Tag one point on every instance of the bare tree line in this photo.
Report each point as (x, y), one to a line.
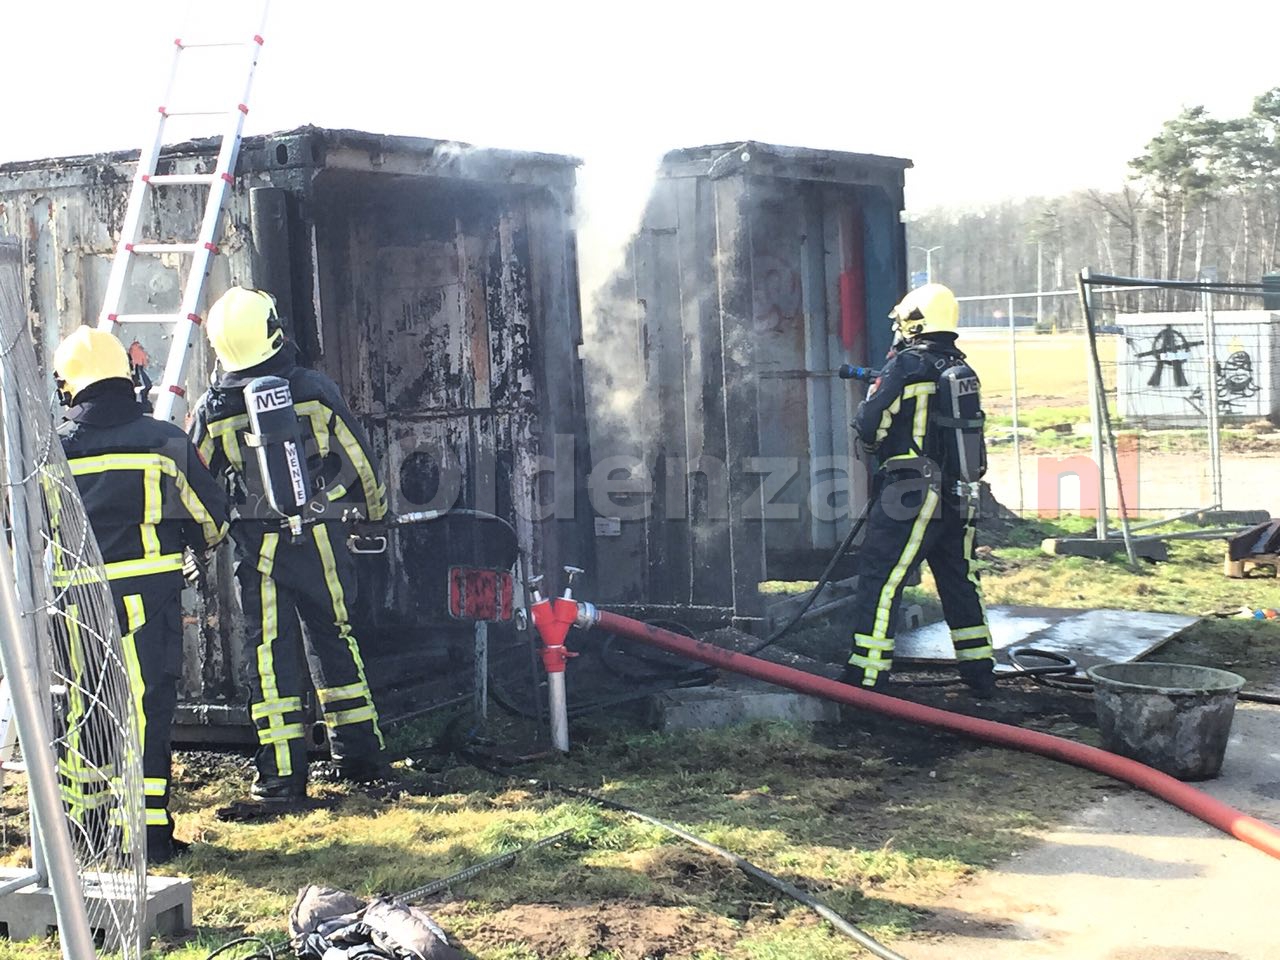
(1202, 199)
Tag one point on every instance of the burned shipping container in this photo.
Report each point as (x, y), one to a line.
(435, 282)
(722, 439)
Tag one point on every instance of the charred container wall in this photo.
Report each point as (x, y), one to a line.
(436, 283)
(756, 271)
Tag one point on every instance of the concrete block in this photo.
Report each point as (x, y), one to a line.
(708, 708)
(1155, 550)
(29, 911)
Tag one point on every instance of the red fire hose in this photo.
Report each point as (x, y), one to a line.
(1195, 802)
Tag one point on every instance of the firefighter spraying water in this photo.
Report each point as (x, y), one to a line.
(922, 420)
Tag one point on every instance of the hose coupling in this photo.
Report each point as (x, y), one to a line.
(588, 615)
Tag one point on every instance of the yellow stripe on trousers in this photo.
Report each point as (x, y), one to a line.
(905, 560)
(338, 599)
(272, 735)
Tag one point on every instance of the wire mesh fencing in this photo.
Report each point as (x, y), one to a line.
(1187, 403)
(69, 623)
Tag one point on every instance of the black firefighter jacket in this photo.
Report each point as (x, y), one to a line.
(339, 464)
(145, 491)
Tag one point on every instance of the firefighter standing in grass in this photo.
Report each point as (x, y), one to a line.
(147, 496)
(282, 574)
(922, 418)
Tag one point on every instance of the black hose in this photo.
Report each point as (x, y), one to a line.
(266, 953)
(759, 874)
(822, 582)
(1061, 664)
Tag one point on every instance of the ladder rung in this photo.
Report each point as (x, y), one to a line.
(162, 179)
(169, 247)
(203, 113)
(205, 45)
(149, 318)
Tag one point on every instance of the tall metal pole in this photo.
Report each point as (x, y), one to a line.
(33, 733)
(1039, 285)
(1211, 393)
(1013, 380)
(1096, 413)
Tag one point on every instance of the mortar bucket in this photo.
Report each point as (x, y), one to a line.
(1171, 716)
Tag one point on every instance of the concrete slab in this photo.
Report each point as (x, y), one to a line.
(1131, 879)
(707, 708)
(29, 911)
(1154, 550)
(1089, 637)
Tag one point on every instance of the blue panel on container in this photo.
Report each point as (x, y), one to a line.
(881, 255)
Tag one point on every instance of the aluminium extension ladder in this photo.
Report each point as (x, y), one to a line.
(203, 248)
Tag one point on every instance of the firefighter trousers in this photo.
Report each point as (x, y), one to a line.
(281, 581)
(149, 610)
(911, 520)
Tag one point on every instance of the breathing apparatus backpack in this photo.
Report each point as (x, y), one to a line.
(275, 435)
(958, 442)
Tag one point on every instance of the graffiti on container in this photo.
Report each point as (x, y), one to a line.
(779, 299)
(1169, 348)
(1235, 382)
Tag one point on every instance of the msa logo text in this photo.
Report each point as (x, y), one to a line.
(277, 398)
(967, 386)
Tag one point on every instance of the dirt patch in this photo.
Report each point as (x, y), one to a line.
(621, 929)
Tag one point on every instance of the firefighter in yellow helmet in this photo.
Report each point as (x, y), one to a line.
(282, 574)
(147, 496)
(922, 419)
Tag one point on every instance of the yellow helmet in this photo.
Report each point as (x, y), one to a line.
(928, 309)
(87, 356)
(244, 328)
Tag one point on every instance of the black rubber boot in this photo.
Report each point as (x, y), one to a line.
(979, 676)
(165, 848)
(853, 677)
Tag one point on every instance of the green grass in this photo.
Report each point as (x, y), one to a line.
(876, 819)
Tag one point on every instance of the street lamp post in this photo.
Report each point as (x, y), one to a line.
(928, 261)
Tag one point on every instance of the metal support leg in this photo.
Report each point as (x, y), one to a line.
(482, 670)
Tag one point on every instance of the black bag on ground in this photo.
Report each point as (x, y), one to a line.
(328, 924)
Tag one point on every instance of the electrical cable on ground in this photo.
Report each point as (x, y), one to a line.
(266, 953)
(759, 874)
(822, 582)
(501, 860)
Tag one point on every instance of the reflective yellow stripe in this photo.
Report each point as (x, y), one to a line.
(153, 465)
(341, 718)
(337, 492)
(373, 491)
(886, 418)
(224, 432)
(920, 424)
(873, 643)
(269, 708)
(907, 558)
(157, 817)
(154, 786)
(349, 692)
(213, 532)
(321, 534)
(318, 416)
(276, 732)
(983, 652)
(972, 633)
(136, 616)
(279, 736)
(120, 570)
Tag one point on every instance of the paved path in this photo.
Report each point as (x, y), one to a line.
(1133, 879)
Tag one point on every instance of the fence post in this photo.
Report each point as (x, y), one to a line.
(1013, 378)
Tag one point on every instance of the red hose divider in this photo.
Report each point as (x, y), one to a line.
(1226, 818)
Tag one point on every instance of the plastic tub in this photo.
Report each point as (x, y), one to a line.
(1171, 716)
